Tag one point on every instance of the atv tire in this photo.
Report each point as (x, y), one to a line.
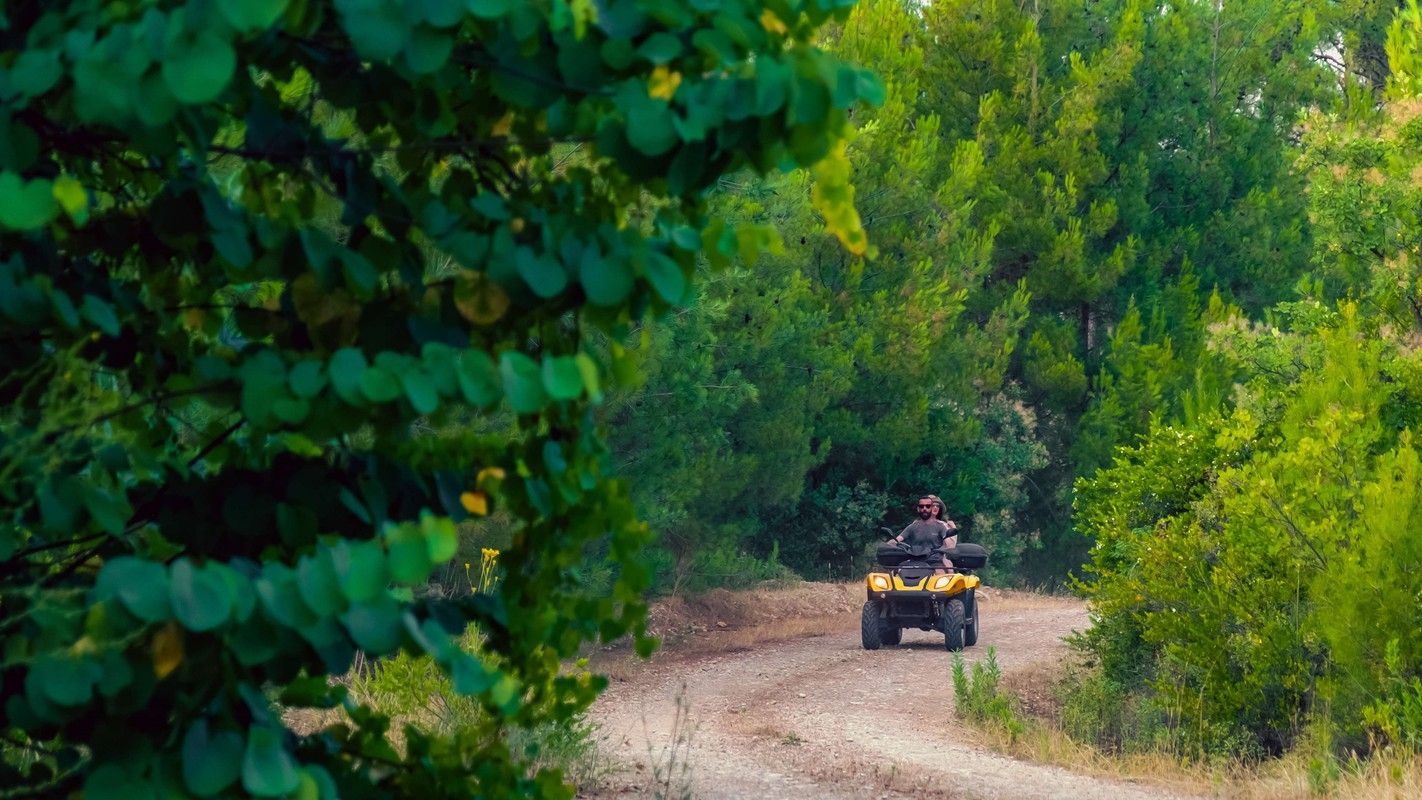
(869, 630)
(953, 615)
(889, 633)
(970, 631)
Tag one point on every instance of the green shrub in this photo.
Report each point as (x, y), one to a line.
(978, 696)
(1099, 711)
(1396, 714)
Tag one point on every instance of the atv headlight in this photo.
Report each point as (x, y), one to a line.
(940, 583)
(879, 583)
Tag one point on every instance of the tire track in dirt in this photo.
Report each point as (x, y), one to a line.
(821, 717)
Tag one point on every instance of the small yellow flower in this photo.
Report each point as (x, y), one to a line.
(771, 22)
(663, 82)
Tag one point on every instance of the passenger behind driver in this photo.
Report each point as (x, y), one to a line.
(950, 539)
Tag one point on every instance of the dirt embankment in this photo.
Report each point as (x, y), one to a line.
(769, 695)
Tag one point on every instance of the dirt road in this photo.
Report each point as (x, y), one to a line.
(819, 717)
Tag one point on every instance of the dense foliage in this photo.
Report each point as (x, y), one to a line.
(1053, 191)
(289, 288)
(1144, 291)
(1257, 565)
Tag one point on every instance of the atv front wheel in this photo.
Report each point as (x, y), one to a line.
(970, 631)
(869, 631)
(953, 624)
(889, 633)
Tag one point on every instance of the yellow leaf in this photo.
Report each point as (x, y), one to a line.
(479, 299)
(70, 195)
(497, 473)
(833, 197)
(503, 126)
(476, 503)
(663, 82)
(771, 22)
(167, 650)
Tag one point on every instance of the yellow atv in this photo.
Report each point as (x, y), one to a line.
(905, 592)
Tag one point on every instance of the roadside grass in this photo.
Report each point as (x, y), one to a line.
(413, 691)
(1023, 715)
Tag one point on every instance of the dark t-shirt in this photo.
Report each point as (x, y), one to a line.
(929, 532)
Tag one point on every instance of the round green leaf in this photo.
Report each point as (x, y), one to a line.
(196, 71)
(159, 105)
(377, 28)
(142, 587)
(60, 499)
(543, 274)
(523, 382)
(115, 782)
(251, 15)
(379, 385)
(649, 126)
(665, 275)
(606, 281)
(562, 378)
(409, 556)
(201, 597)
(291, 410)
(70, 195)
(440, 13)
(307, 379)
(26, 205)
(66, 680)
(348, 366)
(361, 570)
(479, 380)
(108, 507)
(268, 770)
(428, 50)
(660, 48)
(239, 588)
(375, 626)
(281, 598)
(440, 537)
(211, 761)
(489, 9)
(319, 585)
(100, 313)
(35, 72)
(420, 390)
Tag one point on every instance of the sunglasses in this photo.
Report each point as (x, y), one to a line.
(925, 505)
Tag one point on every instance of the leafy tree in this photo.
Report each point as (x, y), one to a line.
(256, 254)
(1255, 566)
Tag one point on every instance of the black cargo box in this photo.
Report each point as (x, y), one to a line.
(967, 556)
(891, 556)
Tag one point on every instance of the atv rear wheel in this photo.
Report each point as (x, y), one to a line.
(889, 633)
(953, 624)
(970, 631)
(869, 631)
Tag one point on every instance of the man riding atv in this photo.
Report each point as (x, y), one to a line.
(930, 529)
(910, 585)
